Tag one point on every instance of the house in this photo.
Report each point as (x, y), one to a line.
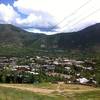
(68, 68)
(82, 80)
(32, 72)
(48, 67)
(22, 67)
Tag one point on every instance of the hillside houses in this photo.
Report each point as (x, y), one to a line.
(22, 68)
(69, 70)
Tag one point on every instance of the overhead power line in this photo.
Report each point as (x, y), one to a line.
(85, 17)
(74, 12)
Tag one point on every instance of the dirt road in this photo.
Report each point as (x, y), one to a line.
(46, 91)
(39, 90)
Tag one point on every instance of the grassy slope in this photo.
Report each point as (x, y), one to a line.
(17, 94)
(92, 95)
(14, 94)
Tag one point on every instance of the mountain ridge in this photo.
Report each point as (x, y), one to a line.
(83, 39)
(86, 39)
(10, 34)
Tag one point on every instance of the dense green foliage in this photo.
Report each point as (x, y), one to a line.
(7, 76)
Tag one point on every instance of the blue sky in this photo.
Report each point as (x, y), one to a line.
(7, 1)
(50, 16)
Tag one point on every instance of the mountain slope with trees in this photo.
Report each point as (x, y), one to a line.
(12, 38)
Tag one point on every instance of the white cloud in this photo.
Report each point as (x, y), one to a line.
(57, 8)
(42, 20)
(36, 20)
(7, 14)
(61, 8)
(27, 20)
(42, 14)
(39, 31)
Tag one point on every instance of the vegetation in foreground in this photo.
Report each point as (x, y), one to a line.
(93, 95)
(15, 94)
